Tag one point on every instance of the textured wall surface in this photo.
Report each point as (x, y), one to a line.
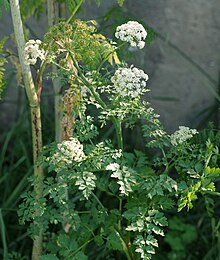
(193, 26)
(179, 92)
(11, 106)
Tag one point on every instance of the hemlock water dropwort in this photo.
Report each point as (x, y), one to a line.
(133, 33)
(32, 51)
(180, 136)
(130, 81)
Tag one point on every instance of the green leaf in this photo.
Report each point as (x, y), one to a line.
(145, 246)
(120, 2)
(198, 167)
(151, 241)
(160, 219)
(212, 172)
(165, 203)
(80, 256)
(182, 185)
(99, 240)
(29, 7)
(113, 186)
(86, 183)
(114, 241)
(5, 4)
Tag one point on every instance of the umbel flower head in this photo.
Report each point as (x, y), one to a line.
(130, 81)
(67, 152)
(180, 136)
(133, 33)
(32, 51)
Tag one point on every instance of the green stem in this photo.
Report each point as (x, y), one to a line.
(118, 129)
(213, 193)
(167, 164)
(78, 249)
(208, 159)
(35, 116)
(117, 230)
(115, 121)
(102, 63)
(52, 14)
(74, 11)
(98, 201)
(120, 209)
(124, 245)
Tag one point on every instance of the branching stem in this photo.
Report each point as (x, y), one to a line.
(116, 122)
(117, 230)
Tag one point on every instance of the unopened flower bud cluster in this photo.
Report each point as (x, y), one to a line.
(133, 33)
(32, 51)
(68, 151)
(180, 136)
(130, 81)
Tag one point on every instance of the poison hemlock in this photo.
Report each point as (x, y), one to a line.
(99, 198)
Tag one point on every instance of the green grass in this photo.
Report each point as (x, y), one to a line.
(15, 168)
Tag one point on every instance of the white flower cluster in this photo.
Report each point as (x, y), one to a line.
(130, 81)
(68, 151)
(32, 51)
(180, 136)
(133, 33)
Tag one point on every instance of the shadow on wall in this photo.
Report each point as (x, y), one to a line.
(179, 91)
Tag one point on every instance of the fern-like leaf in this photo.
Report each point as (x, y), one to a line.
(30, 7)
(4, 4)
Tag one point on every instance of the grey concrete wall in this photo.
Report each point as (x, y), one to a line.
(12, 104)
(193, 26)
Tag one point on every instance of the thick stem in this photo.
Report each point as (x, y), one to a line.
(35, 114)
(52, 11)
(37, 145)
(120, 210)
(57, 112)
(19, 35)
(118, 129)
(62, 10)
